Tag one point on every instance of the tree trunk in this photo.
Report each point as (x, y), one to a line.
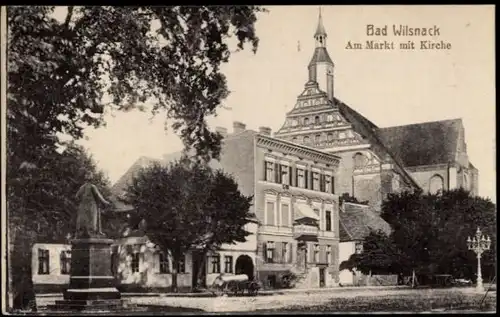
(174, 275)
(199, 274)
(413, 278)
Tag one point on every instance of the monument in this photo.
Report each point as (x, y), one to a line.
(91, 284)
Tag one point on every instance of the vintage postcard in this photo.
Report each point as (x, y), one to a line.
(248, 159)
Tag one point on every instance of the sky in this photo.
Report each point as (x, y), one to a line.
(389, 87)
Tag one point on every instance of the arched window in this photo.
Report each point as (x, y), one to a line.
(329, 137)
(316, 120)
(436, 184)
(306, 121)
(317, 138)
(306, 140)
(360, 160)
(294, 139)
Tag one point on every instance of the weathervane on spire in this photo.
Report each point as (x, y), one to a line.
(320, 34)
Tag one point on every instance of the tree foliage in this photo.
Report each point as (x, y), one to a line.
(42, 208)
(187, 205)
(379, 256)
(429, 235)
(60, 69)
(346, 197)
(66, 71)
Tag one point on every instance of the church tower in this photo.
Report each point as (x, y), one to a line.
(321, 65)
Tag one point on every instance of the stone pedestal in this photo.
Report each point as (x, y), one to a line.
(91, 284)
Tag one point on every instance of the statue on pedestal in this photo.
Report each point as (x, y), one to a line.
(88, 220)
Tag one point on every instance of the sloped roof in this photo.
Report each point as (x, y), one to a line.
(320, 56)
(118, 188)
(356, 221)
(426, 143)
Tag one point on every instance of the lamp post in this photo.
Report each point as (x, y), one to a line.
(479, 243)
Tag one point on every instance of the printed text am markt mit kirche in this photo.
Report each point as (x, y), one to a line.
(403, 31)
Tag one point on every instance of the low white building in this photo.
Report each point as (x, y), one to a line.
(356, 221)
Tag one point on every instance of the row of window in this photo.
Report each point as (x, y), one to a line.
(329, 137)
(316, 120)
(65, 262)
(281, 252)
(283, 218)
(163, 263)
(44, 262)
(283, 174)
(214, 264)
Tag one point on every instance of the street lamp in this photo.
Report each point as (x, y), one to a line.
(479, 244)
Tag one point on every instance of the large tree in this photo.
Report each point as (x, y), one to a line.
(187, 205)
(429, 235)
(66, 68)
(42, 208)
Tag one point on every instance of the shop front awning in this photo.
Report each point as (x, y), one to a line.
(304, 211)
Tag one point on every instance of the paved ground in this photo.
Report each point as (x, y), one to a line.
(240, 304)
(291, 297)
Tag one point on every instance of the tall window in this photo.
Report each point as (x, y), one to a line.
(306, 140)
(270, 213)
(285, 249)
(181, 265)
(300, 178)
(294, 139)
(306, 121)
(135, 261)
(328, 220)
(329, 118)
(43, 261)
(215, 264)
(329, 254)
(65, 262)
(316, 120)
(328, 184)
(164, 267)
(360, 160)
(228, 264)
(285, 178)
(315, 181)
(316, 253)
(329, 137)
(317, 138)
(436, 184)
(285, 218)
(270, 252)
(269, 171)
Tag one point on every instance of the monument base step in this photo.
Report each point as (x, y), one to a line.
(86, 294)
(92, 305)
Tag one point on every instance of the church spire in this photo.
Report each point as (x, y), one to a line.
(321, 65)
(320, 34)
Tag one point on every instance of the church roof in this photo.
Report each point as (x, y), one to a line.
(320, 56)
(425, 143)
(357, 220)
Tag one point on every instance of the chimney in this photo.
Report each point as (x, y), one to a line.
(238, 127)
(265, 130)
(222, 131)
